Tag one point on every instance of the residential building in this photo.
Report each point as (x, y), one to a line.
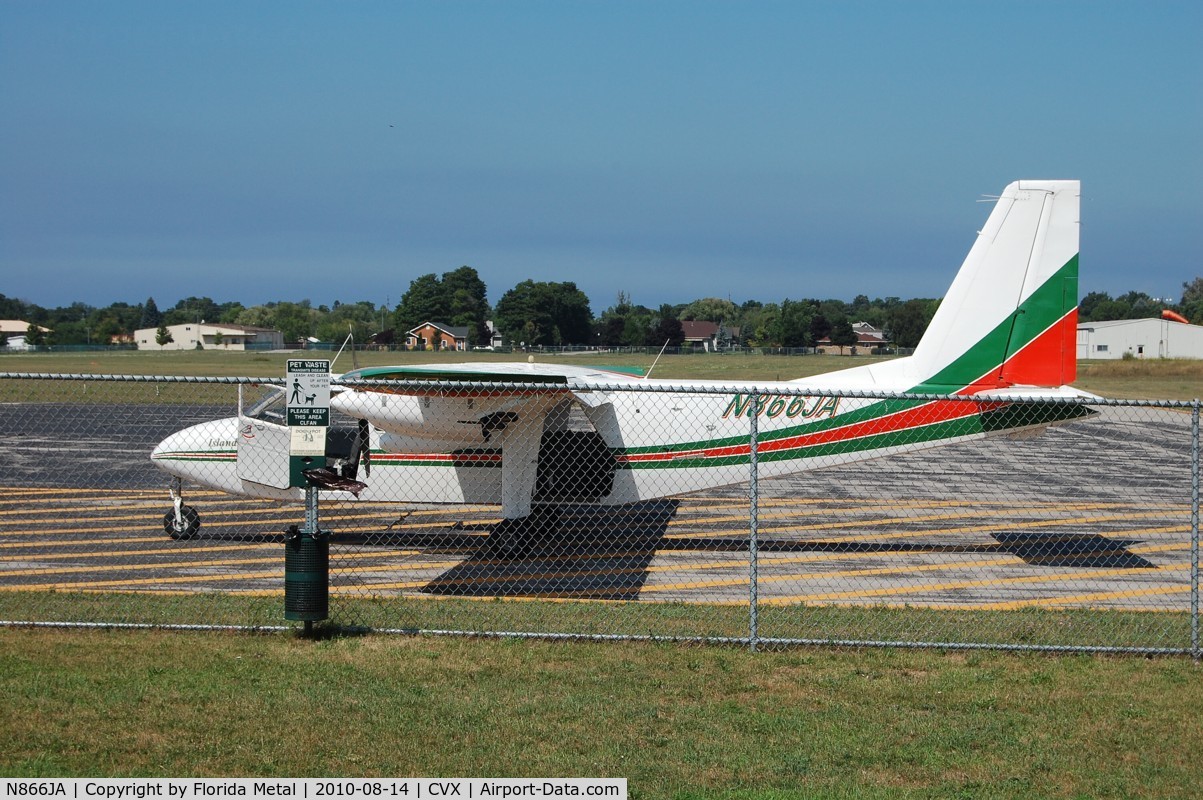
(437, 336)
(708, 336)
(868, 339)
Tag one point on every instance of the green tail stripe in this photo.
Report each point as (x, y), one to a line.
(1013, 416)
(1049, 303)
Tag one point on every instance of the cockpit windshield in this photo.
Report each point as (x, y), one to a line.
(270, 407)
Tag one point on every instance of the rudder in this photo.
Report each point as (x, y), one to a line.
(1010, 316)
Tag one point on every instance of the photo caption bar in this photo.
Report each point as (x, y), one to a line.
(309, 788)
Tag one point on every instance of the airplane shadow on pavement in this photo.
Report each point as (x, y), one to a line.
(564, 552)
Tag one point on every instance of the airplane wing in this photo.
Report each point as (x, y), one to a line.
(414, 419)
(497, 372)
(447, 373)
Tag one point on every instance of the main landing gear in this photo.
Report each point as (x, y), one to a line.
(183, 521)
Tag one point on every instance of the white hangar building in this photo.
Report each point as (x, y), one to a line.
(1143, 338)
(210, 337)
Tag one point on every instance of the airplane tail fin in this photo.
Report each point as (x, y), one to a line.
(1010, 317)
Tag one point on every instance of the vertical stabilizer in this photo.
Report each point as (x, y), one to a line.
(1010, 316)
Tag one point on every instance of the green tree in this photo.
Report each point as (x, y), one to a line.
(70, 324)
(294, 320)
(820, 326)
(458, 298)
(468, 303)
(151, 316)
(1090, 305)
(424, 301)
(163, 336)
(193, 310)
(666, 328)
(1140, 305)
(875, 313)
(710, 309)
(906, 324)
(1109, 310)
(228, 312)
(1192, 300)
(124, 317)
(548, 314)
(625, 324)
(636, 330)
(833, 310)
(608, 331)
(792, 326)
(106, 328)
(759, 323)
(257, 317)
(12, 308)
(524, 315)
(362, 319)
(842, 334)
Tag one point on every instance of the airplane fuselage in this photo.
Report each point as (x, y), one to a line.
(432, 448)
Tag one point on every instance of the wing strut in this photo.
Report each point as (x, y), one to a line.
(519, 467)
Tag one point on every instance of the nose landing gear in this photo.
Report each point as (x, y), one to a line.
(183, 521)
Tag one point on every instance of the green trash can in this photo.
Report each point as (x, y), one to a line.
(306, 575)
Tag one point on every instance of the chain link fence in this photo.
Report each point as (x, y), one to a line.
(1041, 526)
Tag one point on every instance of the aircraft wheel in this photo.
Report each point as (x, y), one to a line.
(188, 526)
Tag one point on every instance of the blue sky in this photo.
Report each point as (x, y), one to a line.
(258, 151)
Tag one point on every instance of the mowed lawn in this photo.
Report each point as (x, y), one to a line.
(675, 720)
(1146, 379)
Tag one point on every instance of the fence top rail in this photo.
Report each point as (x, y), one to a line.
(768, 388)
(100, 378)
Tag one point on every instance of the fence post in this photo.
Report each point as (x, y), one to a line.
(1194, 531)
(753, 523)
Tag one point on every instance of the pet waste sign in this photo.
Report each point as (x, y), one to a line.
(308, 386)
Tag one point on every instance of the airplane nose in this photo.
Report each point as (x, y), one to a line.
(165, 455)
(192, 451)
(172, 444)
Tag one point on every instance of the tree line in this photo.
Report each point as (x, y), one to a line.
(549, 314)
(1101, 307)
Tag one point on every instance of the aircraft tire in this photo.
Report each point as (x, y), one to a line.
(191, 523)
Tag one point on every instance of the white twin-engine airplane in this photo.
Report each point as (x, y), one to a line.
(527, 435)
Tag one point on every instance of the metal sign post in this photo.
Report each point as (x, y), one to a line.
(307, 550)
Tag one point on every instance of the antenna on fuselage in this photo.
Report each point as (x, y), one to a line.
(350, 338)
(648, 374)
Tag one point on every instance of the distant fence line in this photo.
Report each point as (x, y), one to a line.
(397, 348)
(1083, 538)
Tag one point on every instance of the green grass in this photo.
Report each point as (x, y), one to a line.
(1048, 628)
(1144, 379)
(1149, 379)
(676, 721)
